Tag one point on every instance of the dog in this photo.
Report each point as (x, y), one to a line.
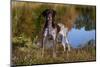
(51, 31)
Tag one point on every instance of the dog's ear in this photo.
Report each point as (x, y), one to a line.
(54, 13)
(44, 13)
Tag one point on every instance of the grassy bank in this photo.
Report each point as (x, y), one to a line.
(32, 55)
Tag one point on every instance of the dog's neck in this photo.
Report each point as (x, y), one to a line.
(49, 24)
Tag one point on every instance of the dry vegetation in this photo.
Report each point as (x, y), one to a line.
(32, 55)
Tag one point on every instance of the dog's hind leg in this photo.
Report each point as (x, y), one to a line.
(43, 46)
(68, 45)
(63, 43)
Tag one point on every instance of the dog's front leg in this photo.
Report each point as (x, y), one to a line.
(43, 41)
(54, 34)
(54, 48)
(43, 46)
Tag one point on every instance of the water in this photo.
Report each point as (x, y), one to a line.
(78, 37)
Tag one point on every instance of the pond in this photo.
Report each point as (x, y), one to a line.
(82, 32)
(79, 37)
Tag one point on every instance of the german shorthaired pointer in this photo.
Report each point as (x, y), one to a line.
(52, 30)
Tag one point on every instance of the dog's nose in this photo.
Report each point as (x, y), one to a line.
(49, 18)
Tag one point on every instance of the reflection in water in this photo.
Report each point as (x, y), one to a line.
(80, 36)
(85, 21)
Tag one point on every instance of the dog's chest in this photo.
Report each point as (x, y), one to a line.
(50, 30)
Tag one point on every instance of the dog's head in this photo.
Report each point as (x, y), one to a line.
(49, 14)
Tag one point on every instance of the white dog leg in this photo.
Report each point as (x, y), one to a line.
(63, 43)
(43, 41)
(68, 45)
(64, 47)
